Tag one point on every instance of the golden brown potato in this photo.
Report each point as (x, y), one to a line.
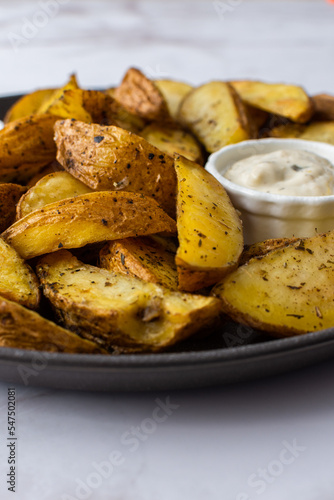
(17, 280)
(120, 311)
(173, 93)
(52, 187)
(256, 119)
(24, 329)
(141, 96)
(172, 140)
(315, 131)
(54, 98)
(288, 291)
(278, 98)
(9, 196)
(88, 218)
(70, 104)
(28, 104)
(26, 146)
(110, 158)
(215, 114)
(263, 247)
(323, 107)
(143, 258)
(209, 228)
(50, 168)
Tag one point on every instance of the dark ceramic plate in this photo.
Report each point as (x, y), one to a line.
(232, 354)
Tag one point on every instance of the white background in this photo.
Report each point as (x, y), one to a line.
(216, 439)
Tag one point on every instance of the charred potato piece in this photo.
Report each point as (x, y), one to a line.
(173, 140)
(215, 115)
(111, 158)
(120, 312)
(28, 104)
(88, 218)
(17, 280)
(173, 92)
(51, 188)
(143, 258)
(263, 247)
(9, 196)
(26, 146)
(278, 98)
(209, 228)
(24, 329)
(141, 96)
(323, 107)
(289, 291)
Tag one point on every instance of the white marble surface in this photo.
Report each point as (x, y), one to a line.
(216, 440)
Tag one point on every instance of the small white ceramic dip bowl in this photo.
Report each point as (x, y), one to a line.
(267, 215)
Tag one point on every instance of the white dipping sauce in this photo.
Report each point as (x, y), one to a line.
(290, 173)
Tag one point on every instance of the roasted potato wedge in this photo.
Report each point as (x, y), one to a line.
(209, 228)
(140, 96)
(24, 329)
(263, 247)
(120, 312)
(70, 104)
(28, 104)
(17, 280)
(88, 218)
(278, 98)
(315, 131)
(323, 107)
(26, 146)
(51, 188)
(289, 291)
(54, 98)
(9, 196)
(215, 114)
(111, 158)
(172, 140)
(50, 168)
(173, 92)
(143, 258)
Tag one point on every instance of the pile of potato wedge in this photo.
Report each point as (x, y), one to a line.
(115, 239)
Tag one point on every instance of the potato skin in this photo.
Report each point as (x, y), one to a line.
(323, 107)
(263, 247)
(26, 146)
(141, 96)
(24, 329)
(9, 197)
(111, 158)
(88, 218)
(143, 258)
(18, 281)
(121, 312)
(288, 291)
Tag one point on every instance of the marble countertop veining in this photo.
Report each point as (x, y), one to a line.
(268, 439)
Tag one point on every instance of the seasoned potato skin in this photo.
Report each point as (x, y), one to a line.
(121, 312)
(140, 96)
(24, 329)
(288, 291)
(209, 228)
(263, 247)
(9, 197)
(88, 218)
(144, 258)
(111, 158)
(18, 281)
(26, 146)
